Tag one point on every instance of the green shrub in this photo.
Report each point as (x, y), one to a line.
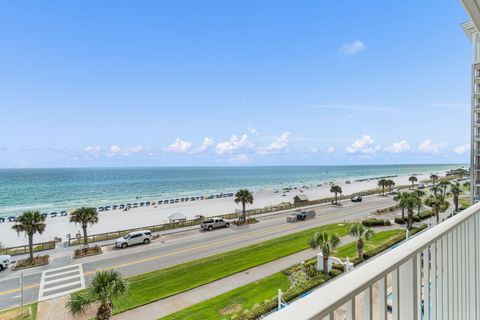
(386, 245)
(375, 222)
(399, 220)
(334, 272)
(339, 267)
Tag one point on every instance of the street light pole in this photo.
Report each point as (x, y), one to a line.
(21, 291)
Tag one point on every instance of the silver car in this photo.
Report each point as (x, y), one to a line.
(214, 223)
(133, 238)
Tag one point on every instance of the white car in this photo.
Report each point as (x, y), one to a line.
(132, 238)
(4, 261)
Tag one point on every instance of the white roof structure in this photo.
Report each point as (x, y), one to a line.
(177, 216)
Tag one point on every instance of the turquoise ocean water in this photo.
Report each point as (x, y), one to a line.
(63, 189)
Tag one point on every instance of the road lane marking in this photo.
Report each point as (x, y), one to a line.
(58, 282)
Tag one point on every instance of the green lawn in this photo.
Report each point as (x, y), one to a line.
(243, 298)
(350, 249)
(159, 284)
(30, 313)
(463, 203)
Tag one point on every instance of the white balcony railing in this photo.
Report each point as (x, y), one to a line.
(445, 258)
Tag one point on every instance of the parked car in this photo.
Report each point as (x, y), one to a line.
(214, 223)
(4, 262)
(133, 238)
(356, 198)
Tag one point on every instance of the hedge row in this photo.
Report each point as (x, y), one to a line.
(387, 210)
(376, 222)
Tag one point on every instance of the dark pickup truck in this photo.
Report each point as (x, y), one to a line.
(301, 216)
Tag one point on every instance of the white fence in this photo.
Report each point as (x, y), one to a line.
(435, 275)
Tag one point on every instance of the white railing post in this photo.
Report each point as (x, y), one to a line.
(426, 284)
(367, 304)
(395, 311)
(433, 280)
(407, 277)
(350, 306)
(382, 299)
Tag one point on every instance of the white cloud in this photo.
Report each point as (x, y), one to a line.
(352, 48)
(233, 144)
(398, 147)
(364, 145)
(253, 131)
(462, 149)
(330, 150)
(278, 146)
(239, 159)
(206, 144)
(93, 149)
(428, 147)
(126, 151)
(179, 146)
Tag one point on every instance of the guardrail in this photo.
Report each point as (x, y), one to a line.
(436, 275)
(252, 212)
(13, 251)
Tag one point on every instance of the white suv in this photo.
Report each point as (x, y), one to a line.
(132, 238)
(4, 261)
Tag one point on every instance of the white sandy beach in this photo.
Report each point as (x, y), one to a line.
(145, 216)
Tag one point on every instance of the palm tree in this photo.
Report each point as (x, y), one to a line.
(419, 194)
(382, 183)
(390, 184)
(413, 179)
(30, 222)
(401, 199)
(326, 244)
(436, 204)
(104, 287)
(84, 216)
(358, 230)
(434, 178)
(443, 185)
(456, 190)
(435, 190)
(244, 196)
(411, 202)
(336, 189)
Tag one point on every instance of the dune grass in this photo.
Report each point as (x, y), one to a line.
(226, 305)
(160, 284)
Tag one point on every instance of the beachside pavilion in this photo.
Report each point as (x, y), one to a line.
(433, 275)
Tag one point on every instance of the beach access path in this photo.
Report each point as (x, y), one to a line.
(182, 247)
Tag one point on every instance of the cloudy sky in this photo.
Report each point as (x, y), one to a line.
(180, 83)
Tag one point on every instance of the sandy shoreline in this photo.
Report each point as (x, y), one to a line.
(144, 216)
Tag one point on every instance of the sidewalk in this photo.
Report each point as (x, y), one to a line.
(164, 307)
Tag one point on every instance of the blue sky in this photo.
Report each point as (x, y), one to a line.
(163, 83)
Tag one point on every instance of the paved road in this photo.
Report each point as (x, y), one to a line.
(181, 247)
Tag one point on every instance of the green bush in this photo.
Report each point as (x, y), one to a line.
(386, 245)
(334, 272)
(339, 267)
(399, 220)
(375, 222)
